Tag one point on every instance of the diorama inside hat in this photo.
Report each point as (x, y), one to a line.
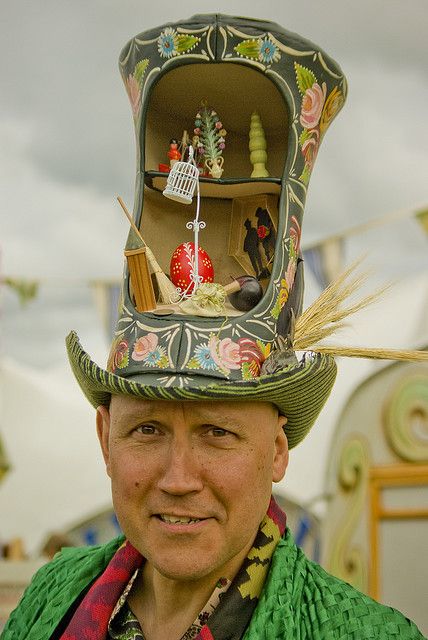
(215, 146)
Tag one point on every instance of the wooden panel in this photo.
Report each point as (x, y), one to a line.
(381, 478)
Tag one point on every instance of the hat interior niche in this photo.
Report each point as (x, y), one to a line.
(235, 92)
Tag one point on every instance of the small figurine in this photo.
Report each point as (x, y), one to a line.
(210, 141)
(251, 246)
(173, 154)
(257, 147)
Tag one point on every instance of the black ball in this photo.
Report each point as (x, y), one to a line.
(248, 296)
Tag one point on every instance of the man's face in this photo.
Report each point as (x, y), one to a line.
(191, 481)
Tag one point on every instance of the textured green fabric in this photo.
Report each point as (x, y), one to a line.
(53, 590)
(300, 601)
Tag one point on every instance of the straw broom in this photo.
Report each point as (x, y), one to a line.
(327, 315)
(167, 291)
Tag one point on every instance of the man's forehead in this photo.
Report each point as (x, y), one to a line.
(219, 410)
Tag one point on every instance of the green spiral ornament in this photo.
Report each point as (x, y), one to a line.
(406, 418)
(346, 559)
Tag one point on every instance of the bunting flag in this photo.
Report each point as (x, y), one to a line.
(422, 217)
(26, 289)
(325, 260)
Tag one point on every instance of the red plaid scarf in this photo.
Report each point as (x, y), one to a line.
(229, 620)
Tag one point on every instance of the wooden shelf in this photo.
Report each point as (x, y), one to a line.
(222, 188)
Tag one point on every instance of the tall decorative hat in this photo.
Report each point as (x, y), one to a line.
(229, 114)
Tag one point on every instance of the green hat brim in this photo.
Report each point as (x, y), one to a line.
(299, 391)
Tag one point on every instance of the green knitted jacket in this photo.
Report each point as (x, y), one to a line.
(299, 600)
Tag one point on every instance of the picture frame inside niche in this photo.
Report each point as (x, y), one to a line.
(253, 231)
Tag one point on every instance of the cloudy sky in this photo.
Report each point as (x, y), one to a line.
(67, 144)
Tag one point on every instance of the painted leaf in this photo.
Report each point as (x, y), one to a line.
(186, 42)
(276, 309)
(193, 363)
(305, 78)
(122, 360)
(305, 135)
(163, 361)
(209, 134)
(264, 348)
(140, 70)
(249, 49)
(305, 174)
(246, 371)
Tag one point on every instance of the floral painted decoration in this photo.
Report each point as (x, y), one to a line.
(317, 112)
(147, 349)
(262, 49)
(288, 280)
(134, 83)
(171, 43)
(119, 354)
(224, 355)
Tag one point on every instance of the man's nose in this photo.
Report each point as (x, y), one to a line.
(182, 471)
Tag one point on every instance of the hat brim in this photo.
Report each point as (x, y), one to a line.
(299, 391)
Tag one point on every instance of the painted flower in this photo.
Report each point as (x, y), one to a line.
(268, 51)
(291, 273)
(253, 354)
(225, 353)
(285, 287)
(167, 43)
(144, 346)
(333, 104)
(310, 148)
(262, 231)
(119, 356)
(134, 92)
(295, 233)
(156, 358)
(312, 104)
(204, 358)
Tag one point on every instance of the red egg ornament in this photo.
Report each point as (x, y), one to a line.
(182, 266)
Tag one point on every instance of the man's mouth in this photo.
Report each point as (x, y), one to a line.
(177, 519)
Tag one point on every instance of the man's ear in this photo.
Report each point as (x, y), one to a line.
(280, 460)
(103, 432)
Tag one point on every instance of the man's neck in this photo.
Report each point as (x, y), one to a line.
(166, 608)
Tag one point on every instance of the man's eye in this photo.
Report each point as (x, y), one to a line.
(146, 429)
(218, 432)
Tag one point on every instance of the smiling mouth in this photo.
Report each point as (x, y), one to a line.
(178, 519)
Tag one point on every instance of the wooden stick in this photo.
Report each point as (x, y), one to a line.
(132, 223)
(231, 287)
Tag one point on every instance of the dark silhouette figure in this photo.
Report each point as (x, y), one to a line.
(251, 246)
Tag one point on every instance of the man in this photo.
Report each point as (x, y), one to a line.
(195, 414)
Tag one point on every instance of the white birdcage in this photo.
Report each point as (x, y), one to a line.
(182, 180)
